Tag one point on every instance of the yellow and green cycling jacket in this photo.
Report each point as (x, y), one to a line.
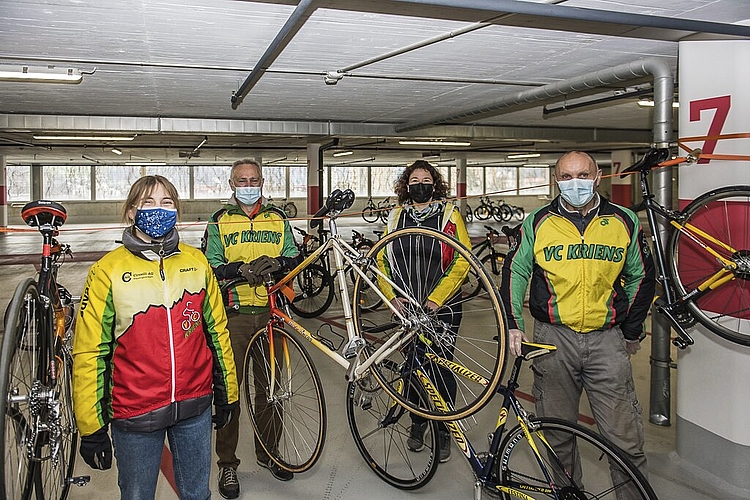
(151, 343)
(446, 279)
(586, 277)
(232, 239)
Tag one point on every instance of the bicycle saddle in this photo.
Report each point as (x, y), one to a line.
(44, 213)
(651, 159)
(338, 200)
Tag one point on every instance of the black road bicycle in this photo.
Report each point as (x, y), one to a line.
(37, 426)
(540, 458)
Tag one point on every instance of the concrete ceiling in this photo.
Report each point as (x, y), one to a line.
(165, 72)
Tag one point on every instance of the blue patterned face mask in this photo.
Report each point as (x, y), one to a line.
(155, 222)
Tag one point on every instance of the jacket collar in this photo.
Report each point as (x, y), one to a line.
(151, 251)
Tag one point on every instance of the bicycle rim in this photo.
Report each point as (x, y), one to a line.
(370, 215)
(19, 364)
(290, 423)
(367, 299)
(580, 463)
(380, 428)
(290, 209)
(313, 291)
(724, 214)
(460, 349)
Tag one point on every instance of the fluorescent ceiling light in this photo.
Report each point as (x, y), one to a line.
(649, 103)
(343, 153)
(145, 163)
(524, 155)
(116, 151)
(106, 138)
(434, 143)
(536, 165)
(40, 75)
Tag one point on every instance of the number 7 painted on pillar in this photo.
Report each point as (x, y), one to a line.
(721, 105)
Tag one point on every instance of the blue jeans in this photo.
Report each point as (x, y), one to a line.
(139, 458)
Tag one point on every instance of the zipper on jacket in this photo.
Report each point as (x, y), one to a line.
(169, 324)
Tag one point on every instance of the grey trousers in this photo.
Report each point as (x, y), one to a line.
(598, 363)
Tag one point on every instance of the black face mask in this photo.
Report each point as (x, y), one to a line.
(420, 193)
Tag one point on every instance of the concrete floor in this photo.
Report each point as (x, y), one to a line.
(341, 473)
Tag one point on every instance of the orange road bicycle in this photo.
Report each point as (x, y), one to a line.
(705, 268)
(381, 347)
(540, 458)
(37, 426)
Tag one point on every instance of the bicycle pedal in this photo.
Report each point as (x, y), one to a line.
(79, 480)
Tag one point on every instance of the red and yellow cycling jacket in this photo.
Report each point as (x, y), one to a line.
(148, 343)
(587, 279)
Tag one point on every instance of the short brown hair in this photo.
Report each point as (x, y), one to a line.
(143, 187)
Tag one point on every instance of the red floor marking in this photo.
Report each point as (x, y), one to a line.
(167, 468)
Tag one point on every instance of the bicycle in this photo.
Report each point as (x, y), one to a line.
(705, 268)
(493, 260)
(38, 429)
(370, 213)
(539, 458)
(288, 207)
(291, 386)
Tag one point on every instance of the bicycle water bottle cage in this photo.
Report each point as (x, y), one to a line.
(44, 213)
(651, 159)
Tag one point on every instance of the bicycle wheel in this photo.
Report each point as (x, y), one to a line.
(519, 213)
(482, 212)
(494, 266)
(369, 214)
(469, 215)
(290, 209)
(380, 429)
(54, 473)
(723, 215)
(313, 291)
(19, 366)
(460, 347)
(502, 213)
(581, 465)
(289, 422)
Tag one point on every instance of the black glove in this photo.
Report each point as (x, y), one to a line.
(255, 271)
(96, 449)
(223, 415)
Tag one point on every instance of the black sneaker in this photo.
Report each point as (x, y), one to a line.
(416, 436)
(229, 486)
(276, 471)
(444, 438)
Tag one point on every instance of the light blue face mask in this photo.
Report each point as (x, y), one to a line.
(247, 195)
(577, 192)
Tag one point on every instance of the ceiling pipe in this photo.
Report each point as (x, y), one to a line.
(293, 24)
(663, 85)
(603, 100)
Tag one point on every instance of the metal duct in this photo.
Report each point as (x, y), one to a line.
(663, 90)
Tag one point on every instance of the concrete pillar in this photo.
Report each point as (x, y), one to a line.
(712, 403)
(461, 183)
(314, 178)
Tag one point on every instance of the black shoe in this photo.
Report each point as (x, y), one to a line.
(444, 438)
(276, 471)
(229, 486)
(416, 436)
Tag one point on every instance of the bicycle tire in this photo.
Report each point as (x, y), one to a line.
(313, 289)
(469, 215)
(502, 213)
(19, 361)
(482, 212)
(381, 428)
(296, 412)
(290, 209)
(589, 477)
(369, 214)
(519, 213)
(477, 346)
(723, 214)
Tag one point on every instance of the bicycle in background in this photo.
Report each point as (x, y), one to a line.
(540, 458)
(288, 207)
(705, 267)
(37, 425)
